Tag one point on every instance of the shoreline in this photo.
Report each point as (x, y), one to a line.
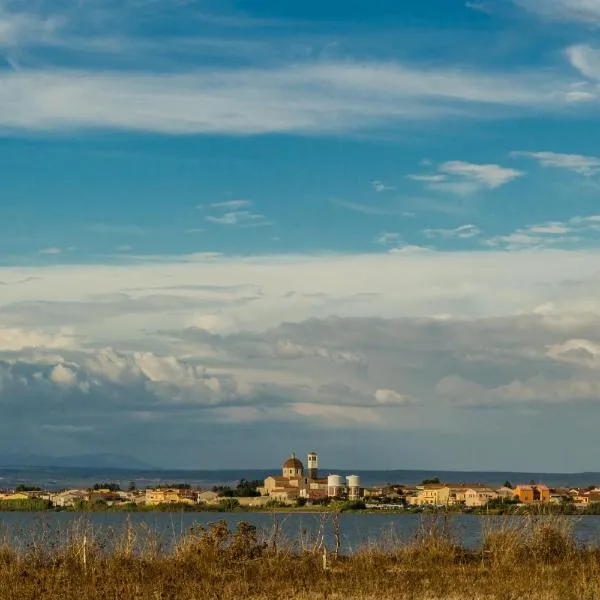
(516, 512)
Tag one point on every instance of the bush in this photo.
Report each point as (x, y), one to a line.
(353, 505)
(229, 504)
(29, 505)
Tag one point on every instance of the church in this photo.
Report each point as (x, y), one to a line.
(295, 481)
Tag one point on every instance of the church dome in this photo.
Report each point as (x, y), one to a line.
(293, 463)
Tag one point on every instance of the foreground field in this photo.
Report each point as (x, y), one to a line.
(536, 560)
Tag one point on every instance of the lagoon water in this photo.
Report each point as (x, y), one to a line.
(357, 530)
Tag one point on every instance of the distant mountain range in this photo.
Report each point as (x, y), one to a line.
(92, 461)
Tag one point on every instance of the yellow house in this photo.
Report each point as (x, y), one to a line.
(166, 496)
(432, 495)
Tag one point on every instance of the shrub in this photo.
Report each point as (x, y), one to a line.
(229, 504)
(353, 505)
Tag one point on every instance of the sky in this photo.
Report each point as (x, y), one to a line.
(233, 230)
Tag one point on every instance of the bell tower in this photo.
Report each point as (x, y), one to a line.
(313, 465)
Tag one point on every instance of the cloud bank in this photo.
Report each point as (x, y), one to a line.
(293, 340)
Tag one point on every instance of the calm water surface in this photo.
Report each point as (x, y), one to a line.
(356, 529)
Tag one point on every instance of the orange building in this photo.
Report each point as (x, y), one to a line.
(532, 494)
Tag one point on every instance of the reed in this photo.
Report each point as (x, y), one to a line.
(533, 558)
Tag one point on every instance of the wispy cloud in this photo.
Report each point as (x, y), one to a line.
(582, 11)
(580, 229)
(584, 165)
(380, 186)
(585, 59)
(229, 213)
(25, 27)
(463, 232)
(387, 238)
(242, 218)
(484, 7)
(463, 178)
(367, 209)
(50, 251)
(313, 97)
(429, 178)
(231, 204)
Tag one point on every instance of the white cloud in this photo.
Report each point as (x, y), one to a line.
(317, 97)
(573, 231)
(387, 238)
(483, 7)
(12, 339)
(52, 250)
(463, 232)
(242, 218)
(550, 228)
(21, 28)
(582, 11)
(380, 186)
(488, 175)
(62, 375)
(431, 178)
(584, 165)
(235, 216)
(464, 178)
(581, 96)
(231, 204)
(118, 301)
(368, 209)
(341, 415)
(410, 249)
(391, 397)
(578, 351)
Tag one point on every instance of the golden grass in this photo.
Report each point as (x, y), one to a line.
(534, 558)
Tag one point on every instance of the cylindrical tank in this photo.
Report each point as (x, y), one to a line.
(334, 481)
(353, 487)
(353, 481)
(334, 486)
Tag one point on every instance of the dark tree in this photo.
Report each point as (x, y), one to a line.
(433, 480)
(113, 487)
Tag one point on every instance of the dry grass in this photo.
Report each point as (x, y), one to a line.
(526, 559)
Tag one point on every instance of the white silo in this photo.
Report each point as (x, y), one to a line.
(353, 487)
(334, 486)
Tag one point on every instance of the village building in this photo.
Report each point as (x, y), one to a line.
(208, 497)
(431, 494)
(532, 494)
(506, 493)
(471, 495)
(169, 496)
(68, 498)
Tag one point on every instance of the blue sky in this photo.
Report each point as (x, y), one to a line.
(322, 219)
